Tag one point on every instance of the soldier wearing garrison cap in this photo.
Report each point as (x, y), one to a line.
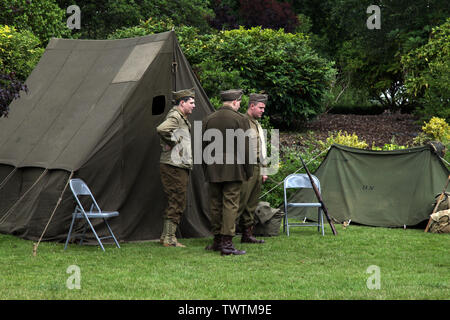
(176, 162)
(251, 188)
(225, 178)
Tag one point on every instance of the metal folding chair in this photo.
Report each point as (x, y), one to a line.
(299, 181)
(79, 188)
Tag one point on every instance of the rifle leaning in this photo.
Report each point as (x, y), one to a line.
(319, 197)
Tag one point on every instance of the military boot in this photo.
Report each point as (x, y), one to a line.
(216, 243)
(247, 236)
(164, 237)
(171, 238)
(227, 247)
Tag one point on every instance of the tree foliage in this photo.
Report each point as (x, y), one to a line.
(281, 64)
(273, 14)
(268, 14)
(99, 18)
(371, 59)
(427, 71)
(43, 18)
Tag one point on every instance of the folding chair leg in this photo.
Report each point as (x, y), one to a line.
(112, 234)
(321, 221)
(318, 220)
(286, 224)
(95, 234)
(70, 232)
(83, 234)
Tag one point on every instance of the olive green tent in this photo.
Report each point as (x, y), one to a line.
(91, 113)
(377, 188)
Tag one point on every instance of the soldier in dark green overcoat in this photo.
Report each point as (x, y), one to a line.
(226, 164)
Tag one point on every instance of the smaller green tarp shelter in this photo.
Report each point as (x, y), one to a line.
(377, 188)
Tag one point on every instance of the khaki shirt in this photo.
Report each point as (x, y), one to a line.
(258, 143)
(175, 139)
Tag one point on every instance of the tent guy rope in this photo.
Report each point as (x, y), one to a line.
(36, 245)
(7, 177)
(6, 215)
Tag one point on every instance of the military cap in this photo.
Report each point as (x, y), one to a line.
(258, 97)
(177, 95)
(230, 95)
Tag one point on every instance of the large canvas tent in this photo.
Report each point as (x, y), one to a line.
(377, 188)
(91, 113)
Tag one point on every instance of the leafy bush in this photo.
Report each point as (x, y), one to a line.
(212, 73)
(345, 139)
(281, 64)
(19, 51)
(437, 129)
(388, 147)
(150, 26)
(43, 18)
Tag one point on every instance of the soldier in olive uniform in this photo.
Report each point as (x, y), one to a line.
(176, 162)
(224, 176)
(251, 189)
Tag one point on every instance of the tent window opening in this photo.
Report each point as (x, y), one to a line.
(158, 105)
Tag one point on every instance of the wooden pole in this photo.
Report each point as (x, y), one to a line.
(441, 196)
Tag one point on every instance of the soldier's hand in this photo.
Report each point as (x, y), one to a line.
(264, 178)
(167, 147)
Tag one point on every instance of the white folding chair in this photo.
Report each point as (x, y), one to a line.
(79, 188)
(299, 181)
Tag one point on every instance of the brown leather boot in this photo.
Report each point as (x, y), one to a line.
(247, 236)
(228, 248)
(216, 243)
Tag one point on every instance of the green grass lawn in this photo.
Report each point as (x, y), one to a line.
(412, 265)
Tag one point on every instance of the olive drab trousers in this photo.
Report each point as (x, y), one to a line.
(224, 202)
(175, 181)
(249, 199)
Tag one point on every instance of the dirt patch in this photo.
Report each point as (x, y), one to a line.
(377, 129)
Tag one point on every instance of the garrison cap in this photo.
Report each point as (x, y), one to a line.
(232, 94)
(177, 95)
(258, 97)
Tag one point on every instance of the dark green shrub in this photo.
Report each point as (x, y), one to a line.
(281, 64)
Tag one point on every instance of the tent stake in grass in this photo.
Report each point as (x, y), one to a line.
(319, 197)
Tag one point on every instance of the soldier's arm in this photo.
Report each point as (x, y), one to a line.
(166, 130)
(248, 167)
